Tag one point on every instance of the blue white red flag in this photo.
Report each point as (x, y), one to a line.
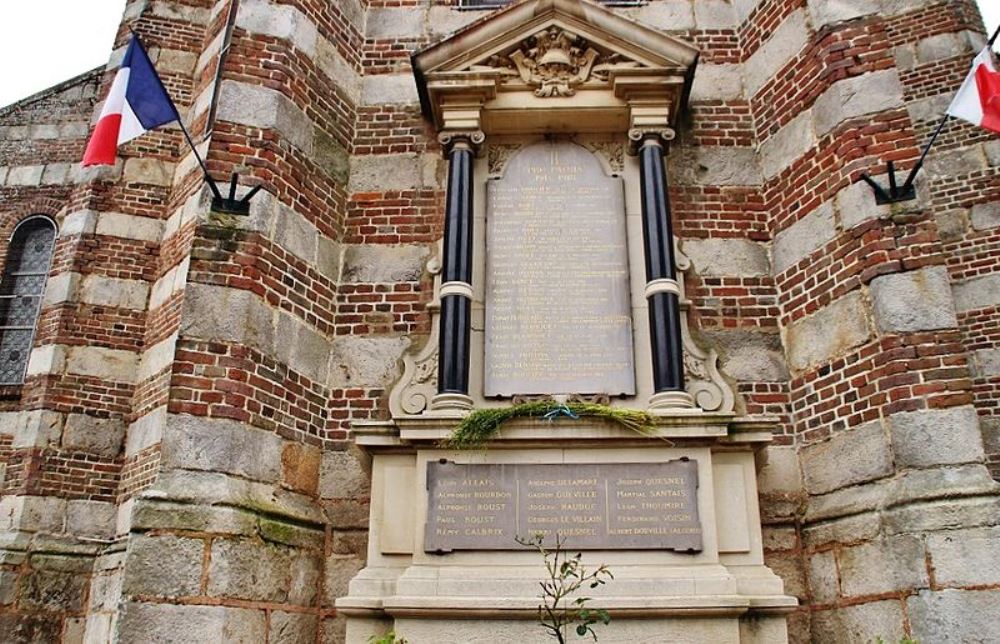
(136, 104)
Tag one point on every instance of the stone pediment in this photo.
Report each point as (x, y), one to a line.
(542, 54)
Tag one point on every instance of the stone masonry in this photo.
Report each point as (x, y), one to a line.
(177, 466)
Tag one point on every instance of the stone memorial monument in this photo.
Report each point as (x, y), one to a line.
(559, 280)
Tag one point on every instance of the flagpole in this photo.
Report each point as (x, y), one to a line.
(993, 38)
(201, 162)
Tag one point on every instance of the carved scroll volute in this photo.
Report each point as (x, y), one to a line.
(412, 394)
(702, 378)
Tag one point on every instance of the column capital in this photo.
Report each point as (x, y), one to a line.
(639, 137)
(457, 139)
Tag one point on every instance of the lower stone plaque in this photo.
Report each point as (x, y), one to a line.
(603, 506)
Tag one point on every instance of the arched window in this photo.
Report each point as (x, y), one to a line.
(28, 258)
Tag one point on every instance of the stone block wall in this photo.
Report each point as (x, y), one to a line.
(177, 463)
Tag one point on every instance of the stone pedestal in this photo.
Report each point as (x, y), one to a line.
(724, 593)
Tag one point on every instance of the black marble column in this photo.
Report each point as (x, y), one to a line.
(456, 286)
(661, 276)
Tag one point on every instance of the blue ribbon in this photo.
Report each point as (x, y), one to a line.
(561, 410)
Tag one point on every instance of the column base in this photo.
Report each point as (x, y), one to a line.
(451, 402)
(671, 400)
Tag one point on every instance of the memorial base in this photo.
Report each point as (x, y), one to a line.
(722, 592)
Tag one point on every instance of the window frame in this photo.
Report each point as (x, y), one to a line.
(6, 273)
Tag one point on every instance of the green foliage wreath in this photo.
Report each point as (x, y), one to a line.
(482, 425)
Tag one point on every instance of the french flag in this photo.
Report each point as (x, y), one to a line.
(136, 104)
(978, 100)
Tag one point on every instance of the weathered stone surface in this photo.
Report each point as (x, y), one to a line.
(220, 445)
(669, 15)
(986, 216)
(331, 157)
(714, 14)
(32, 513)
(111, 364)
(365, 263)
(854, 456)
(48, 586)
(301, 347)
(365, 362)
(385, 172)
(163, 566)
(847, 529)
(140, 623)
(917, 300)
(828, 12)
(861, 623)
(344, 475)
(716, 82)
(749, 355)
(295, 234)
(266, 108)
(936, 437)
(786, 41)
(25, 175)
(383, 89)
(157, 515)
(822, 574)
(281, 21)
(232, 315)
(781, 473)
(444, 20)
(339, 571)
(727, 257)
(714, 166)
(786, 145)
(394, 22)
(830, 332)
(788, 566)
(91, 519)
(37, 428)
(977, 292)
(965, 557)
(955, 616)
(941, 46)
(116, 224)
(857, 96)
(30, 629)
(775, 538)
(896, 563)
(943, 515)
(292, 627)
(803, 237)
(245, 569)
(102, 436)
(952, 224)
(300, 467)
(155, 172)
(951, 163)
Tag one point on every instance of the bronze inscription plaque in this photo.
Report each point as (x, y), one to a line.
(558, 311)
(606, 506)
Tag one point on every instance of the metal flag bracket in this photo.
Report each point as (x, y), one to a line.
(231, 205)
(895, 193)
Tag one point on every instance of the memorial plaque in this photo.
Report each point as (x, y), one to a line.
(558, 315)
(607, 506)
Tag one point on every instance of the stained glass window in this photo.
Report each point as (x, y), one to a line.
(28, 258)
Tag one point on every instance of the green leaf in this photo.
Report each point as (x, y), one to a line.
(605, 617)
(581, 630)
